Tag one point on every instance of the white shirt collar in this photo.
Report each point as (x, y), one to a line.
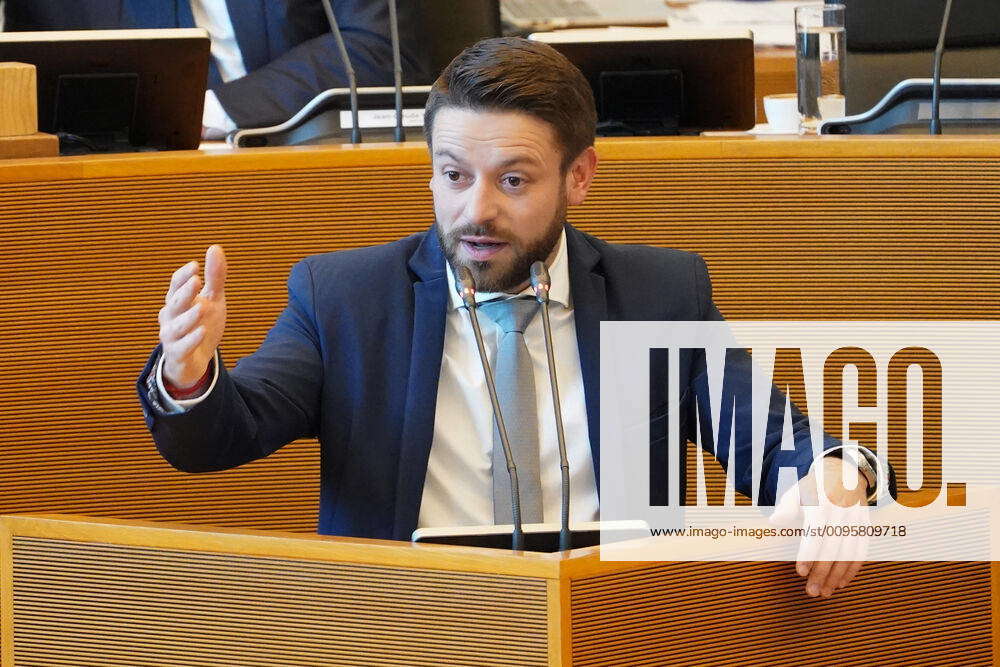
(558, 273)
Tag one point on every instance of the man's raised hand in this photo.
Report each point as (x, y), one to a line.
(193, 318)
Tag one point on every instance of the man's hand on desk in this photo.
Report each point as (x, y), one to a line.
(192, 319)
(828, 558)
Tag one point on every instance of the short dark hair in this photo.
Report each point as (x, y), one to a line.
(514, 74)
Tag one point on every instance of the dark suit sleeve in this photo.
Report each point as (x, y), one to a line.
(268, 400)
(275, 92)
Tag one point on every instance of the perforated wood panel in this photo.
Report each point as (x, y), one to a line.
(86, 604)
(876, 229)
(753, 614)
(87, 263)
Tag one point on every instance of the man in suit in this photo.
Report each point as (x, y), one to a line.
(269, 57)
(374, 353)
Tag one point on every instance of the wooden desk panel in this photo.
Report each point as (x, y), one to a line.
(75, 590)
(824, 228)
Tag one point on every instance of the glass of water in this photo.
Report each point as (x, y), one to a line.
(819, 64)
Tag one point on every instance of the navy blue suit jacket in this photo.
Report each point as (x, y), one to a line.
(355, 358)
(288, 49)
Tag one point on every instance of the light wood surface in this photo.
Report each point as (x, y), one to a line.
(6, 596)
(38, 144)
(293, 546)
(19, 135)
(18, 100)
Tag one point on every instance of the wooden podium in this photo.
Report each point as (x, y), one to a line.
(80, 591)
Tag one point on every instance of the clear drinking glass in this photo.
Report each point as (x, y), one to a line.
(819, 64)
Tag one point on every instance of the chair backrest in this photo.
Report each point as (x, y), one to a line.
(451, 26)
(892, 40)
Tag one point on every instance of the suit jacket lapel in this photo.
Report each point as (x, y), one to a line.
(250, 26)
(430, 294)
(590, 307)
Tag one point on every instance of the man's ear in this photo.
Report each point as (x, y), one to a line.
(580, 175)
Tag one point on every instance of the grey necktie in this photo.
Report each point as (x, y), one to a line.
(515, 382)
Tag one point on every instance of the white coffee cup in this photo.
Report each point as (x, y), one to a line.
(782, 111)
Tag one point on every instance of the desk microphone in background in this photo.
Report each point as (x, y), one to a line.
(936, 79)
(352, 81)
(465, 285)
(397, 70)
(541, 284)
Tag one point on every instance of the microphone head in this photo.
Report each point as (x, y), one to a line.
(540, 282)
(465, 285)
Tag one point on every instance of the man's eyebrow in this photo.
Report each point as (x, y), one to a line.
(506, 164)
(518, 159)
(445, 153)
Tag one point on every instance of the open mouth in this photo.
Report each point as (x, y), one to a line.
(481, 248)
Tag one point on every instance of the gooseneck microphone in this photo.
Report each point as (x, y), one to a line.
(936, 79)
(541, 284)
(465, 285)
(397, 70)
(352, 81)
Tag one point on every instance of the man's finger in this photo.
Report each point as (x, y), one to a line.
(808, 550)
(179, 277)
(184, 345)
(835, 549)
(826, 558)
(836, 574)
(183, 298)
(852, 572)
(178, 327)
(215, 272)
(809, 545)
(856, 555)
(818, 574)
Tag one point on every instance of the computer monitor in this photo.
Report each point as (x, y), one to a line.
(117, 90)
(659, 81)
(892, 40)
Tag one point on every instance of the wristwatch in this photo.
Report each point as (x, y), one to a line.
(860, 460)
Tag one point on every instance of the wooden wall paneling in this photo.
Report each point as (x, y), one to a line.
(115, 592)
(90, 263)
(831, 228)
(726, 613)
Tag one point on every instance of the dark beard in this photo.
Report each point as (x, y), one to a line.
(492, 278)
